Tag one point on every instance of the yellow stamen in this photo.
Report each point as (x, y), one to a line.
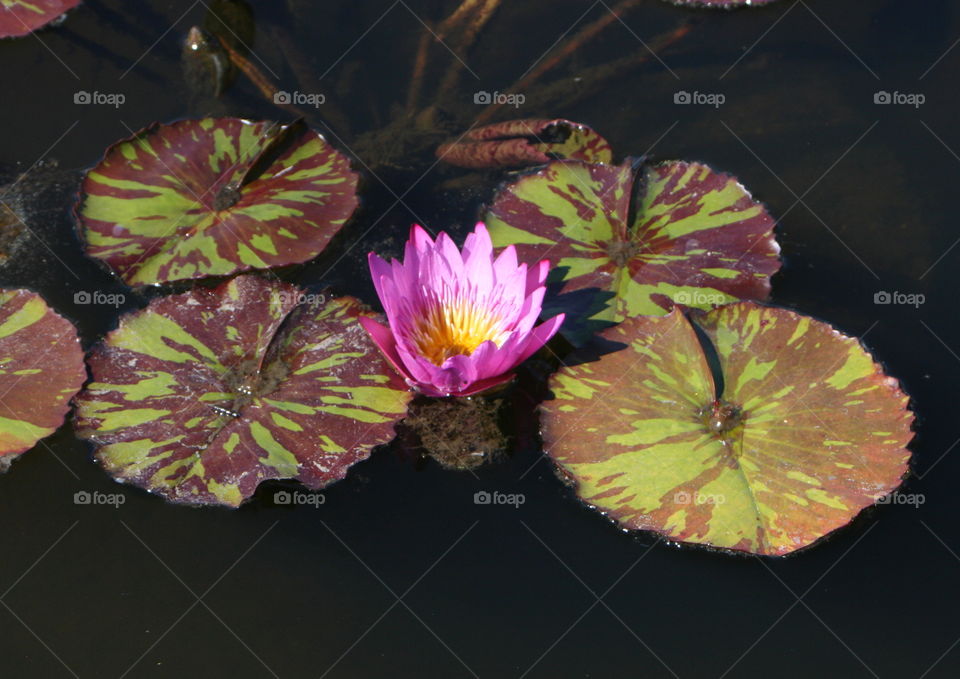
(454, 327)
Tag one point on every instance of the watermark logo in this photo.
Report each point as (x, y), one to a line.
(499, 98)
(914, 99)
(85, 297)
(483, 497)
(295, 297)
(698, 298)
(914, 299)
(298, 498)
(912, 499)
(684, 497)
(314, 99)
(695, 98)
(84, 98)
(83, 497)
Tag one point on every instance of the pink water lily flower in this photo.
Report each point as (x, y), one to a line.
(460, 322)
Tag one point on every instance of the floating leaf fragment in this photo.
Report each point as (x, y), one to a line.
(628, 241)
(517, 143)
(20, 17)
(207, 69)
(214, 196)
(41, 369)
(806, 432)
(203, 395)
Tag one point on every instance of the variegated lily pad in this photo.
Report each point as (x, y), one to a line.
(806, 432)
(201, 396)
(214, 196)
(41, 369)
(517, 143)
(629, 241)
(20, 17)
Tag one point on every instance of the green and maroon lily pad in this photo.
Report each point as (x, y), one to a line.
(203, 395)
(518, 143)
(806, 432)
(214, 196)
(20, 17)
(628, 240)
(41, 369)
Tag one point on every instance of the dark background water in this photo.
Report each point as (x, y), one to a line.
(399, 573)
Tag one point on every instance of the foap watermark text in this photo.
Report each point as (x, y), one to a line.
(914, 299)
(85, 497)
(295, 297)
(884, 98)
(698, 298)
(912, 499)
(684, 98)
(314, 99)
(501, 98)
(684, 497)
(298, 498)
(483, 497)
(84, 98)
(98, 298)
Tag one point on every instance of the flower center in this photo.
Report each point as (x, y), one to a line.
(450, 328)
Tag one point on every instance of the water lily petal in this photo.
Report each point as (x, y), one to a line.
(489, 383)
(530, 311)
(537, 274)
(478, 259)
(540, 336)
(386, 342)
(379, 269)
(420, 238)
(506, 263)
(447, 251)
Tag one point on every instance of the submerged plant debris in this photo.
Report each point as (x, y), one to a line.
(628, 241)
(459, 433)
(214, 196)
(203, 395)
(32, 207)
(41, 369)
(801, 433)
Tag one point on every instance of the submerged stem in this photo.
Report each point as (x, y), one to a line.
(590, 80)
(472, 30)
(419, 65)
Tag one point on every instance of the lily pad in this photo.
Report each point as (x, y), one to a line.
(630, 240)
(20, 17)
(517, 143)
(203, 395)
(214, 196)
(41, 369)
(802, 431)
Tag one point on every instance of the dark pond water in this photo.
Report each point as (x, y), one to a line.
(399, 573)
